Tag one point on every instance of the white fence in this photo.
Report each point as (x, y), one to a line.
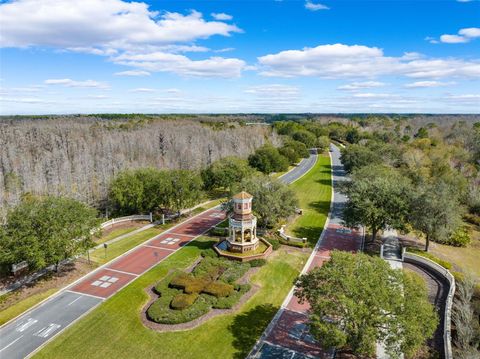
(447, 339)
(288, 238)
(135, 217)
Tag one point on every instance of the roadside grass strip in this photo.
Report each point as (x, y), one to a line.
(314, 192)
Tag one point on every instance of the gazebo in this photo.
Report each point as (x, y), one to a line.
(242, 235)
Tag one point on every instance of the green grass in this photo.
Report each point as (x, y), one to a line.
(114, 234)
(114, 329)
(117, 248)
(27, 303)
(314, 193)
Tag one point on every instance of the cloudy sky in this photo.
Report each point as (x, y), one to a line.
(95, 56)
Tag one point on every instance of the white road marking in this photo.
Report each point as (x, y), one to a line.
(23, 326)
(166, 249)
(46, 331)
(121, 271)
(88, 295)
(180, 234)
(73, 301)
(16, 340)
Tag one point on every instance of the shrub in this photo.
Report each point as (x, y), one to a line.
(472, 218)
(293, 243)
(460, 238)
(189, 283)
(218, 232)
(210, 253)
(430, 256)
(257, 262)
(231, 300)
(275, 243)
(182, 301)
(218, 289)
(160, 311)
(235, 271)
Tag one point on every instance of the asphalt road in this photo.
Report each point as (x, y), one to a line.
(24, 335)
(303, 167)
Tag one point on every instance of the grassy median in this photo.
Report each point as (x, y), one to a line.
(314, 191)
(114, 330)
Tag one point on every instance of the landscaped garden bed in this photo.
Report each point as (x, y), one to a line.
(214, 285)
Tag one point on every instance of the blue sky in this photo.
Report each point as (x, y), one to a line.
(89, 56)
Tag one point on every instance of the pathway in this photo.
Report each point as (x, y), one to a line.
(287, 336)
(29, 332)
(26, 334)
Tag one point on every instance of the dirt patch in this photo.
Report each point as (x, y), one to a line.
(204, 318)
(69, 273)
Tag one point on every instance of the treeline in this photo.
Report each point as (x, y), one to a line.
(77, 156)
(44, 231)
(428, 182)
(163, 191)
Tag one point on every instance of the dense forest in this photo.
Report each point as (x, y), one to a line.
(78, 156)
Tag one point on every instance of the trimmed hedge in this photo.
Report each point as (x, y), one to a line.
(218, 289)
(189, 283)
(208, 253)
(231, 300)
(257, 262)
(293, 243)
(182, 301)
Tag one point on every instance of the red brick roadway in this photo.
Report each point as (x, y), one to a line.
(114, 276)
(288, 335)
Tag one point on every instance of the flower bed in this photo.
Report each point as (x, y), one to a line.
(184, 297)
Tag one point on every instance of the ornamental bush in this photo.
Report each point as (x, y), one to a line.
(460, 238)
(231, 300)
(257, 262)
(182, 300)
(218, 289)
(189, 283)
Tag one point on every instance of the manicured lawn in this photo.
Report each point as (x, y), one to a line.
(114, 329)
(314, 193)
(18, 308)
(114, 234)
(464, 259)
(117, 248)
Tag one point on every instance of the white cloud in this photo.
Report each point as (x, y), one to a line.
(470, 32)
(132, 73)
(73, 83)
(221, 16)
(357, 61)
(143, 89)
(427, 84)
(182, 65)
(113, 24)
(453, 39)
(114, 28)
(315, 7)
(370, 95)
(273, 90)
(464, 35)
(361, 85)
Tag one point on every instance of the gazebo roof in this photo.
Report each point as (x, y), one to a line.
(242, 195)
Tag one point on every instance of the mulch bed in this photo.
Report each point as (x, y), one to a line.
(204, 318)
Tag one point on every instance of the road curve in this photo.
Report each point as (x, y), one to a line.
(302, 168)
(27, 333)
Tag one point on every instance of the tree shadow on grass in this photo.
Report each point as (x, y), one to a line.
(248, 327)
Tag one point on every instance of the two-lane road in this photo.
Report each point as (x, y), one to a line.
(26, 334)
